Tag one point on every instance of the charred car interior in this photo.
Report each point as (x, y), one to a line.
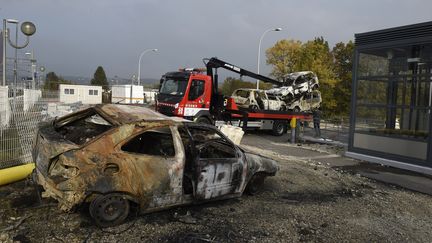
(112, 156)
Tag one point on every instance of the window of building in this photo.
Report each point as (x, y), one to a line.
(157, 142)
(69, 91)
(93, 92)
(394, 91)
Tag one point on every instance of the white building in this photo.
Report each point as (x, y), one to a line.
(127, 94)
(86, 94)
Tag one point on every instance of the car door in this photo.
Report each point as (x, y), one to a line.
(218, 164)
(196, 98)
(155, 161)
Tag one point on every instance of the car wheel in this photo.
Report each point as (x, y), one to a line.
(255, 184)
(109, 210)
(254, 107)
(283, 108)
(202, 120)
(296, 109)
(279, 128)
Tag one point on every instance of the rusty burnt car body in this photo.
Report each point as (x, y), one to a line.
(113, 155)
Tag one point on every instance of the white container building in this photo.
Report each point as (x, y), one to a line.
(70, 93)
(127, 94)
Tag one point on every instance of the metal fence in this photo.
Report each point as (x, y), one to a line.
(20, 116)
(333, 128)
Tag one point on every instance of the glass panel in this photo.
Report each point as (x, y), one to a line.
(370, 119)
(372, 91)
(397, 122)
(373, 64)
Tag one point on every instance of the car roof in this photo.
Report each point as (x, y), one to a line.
(125, 114)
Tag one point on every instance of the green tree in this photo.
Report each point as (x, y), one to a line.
(285, 57)
(99, 78)
(343, 55)
(230, 84)
(52, 81)
(332, 66)
(316, 57)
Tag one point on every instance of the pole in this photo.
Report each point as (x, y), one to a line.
(4, 52)
(139, 63)
(33, 70)
(15, 66)
(259, 51)
(259, 55)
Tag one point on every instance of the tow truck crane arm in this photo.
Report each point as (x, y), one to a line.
(216, 63)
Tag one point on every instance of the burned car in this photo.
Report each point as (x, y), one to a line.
(115, 156)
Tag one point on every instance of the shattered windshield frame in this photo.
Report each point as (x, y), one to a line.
(173, 86)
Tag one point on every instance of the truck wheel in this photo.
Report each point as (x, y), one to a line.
(279, 128)
(203, 120)
(109, 210)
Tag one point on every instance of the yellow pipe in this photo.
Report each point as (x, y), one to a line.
(15, 173)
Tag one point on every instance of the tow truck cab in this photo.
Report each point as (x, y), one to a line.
(186, 93)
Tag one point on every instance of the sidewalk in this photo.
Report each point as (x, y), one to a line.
(329, 155)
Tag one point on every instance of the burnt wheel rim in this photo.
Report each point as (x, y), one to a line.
(110, 210)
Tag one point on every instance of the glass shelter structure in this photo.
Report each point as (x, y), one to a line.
(392, 96)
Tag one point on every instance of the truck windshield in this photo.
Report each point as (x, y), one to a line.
(173, 86)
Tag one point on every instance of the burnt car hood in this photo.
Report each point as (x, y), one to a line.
(49, 144)
(258, 163)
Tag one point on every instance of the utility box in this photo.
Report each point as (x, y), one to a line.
(127, 94)
(86, 94)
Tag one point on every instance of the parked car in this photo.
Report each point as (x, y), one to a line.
(112, 156)
(257, 99)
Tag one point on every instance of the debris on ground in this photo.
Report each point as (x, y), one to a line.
(298, 204)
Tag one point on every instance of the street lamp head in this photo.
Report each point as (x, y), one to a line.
(278, 29)
(28, 28)
(12, 21)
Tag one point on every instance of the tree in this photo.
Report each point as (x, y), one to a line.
(52, 81)
(316, 57)
(332, 66)
(285, 57)
(230, 84)
(99, 78)
(343, 55)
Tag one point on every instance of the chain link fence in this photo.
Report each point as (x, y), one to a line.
(21, 112)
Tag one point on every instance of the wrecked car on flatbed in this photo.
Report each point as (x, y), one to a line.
(112, 156)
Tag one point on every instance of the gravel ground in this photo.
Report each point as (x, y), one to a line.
(305, 202)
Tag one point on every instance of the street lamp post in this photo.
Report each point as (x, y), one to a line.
(259, 50)
(32, 68)
(139, 63)
(28, 29)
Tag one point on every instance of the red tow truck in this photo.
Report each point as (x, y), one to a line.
(193, 94)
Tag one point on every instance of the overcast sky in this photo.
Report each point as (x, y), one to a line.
(75, 36)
